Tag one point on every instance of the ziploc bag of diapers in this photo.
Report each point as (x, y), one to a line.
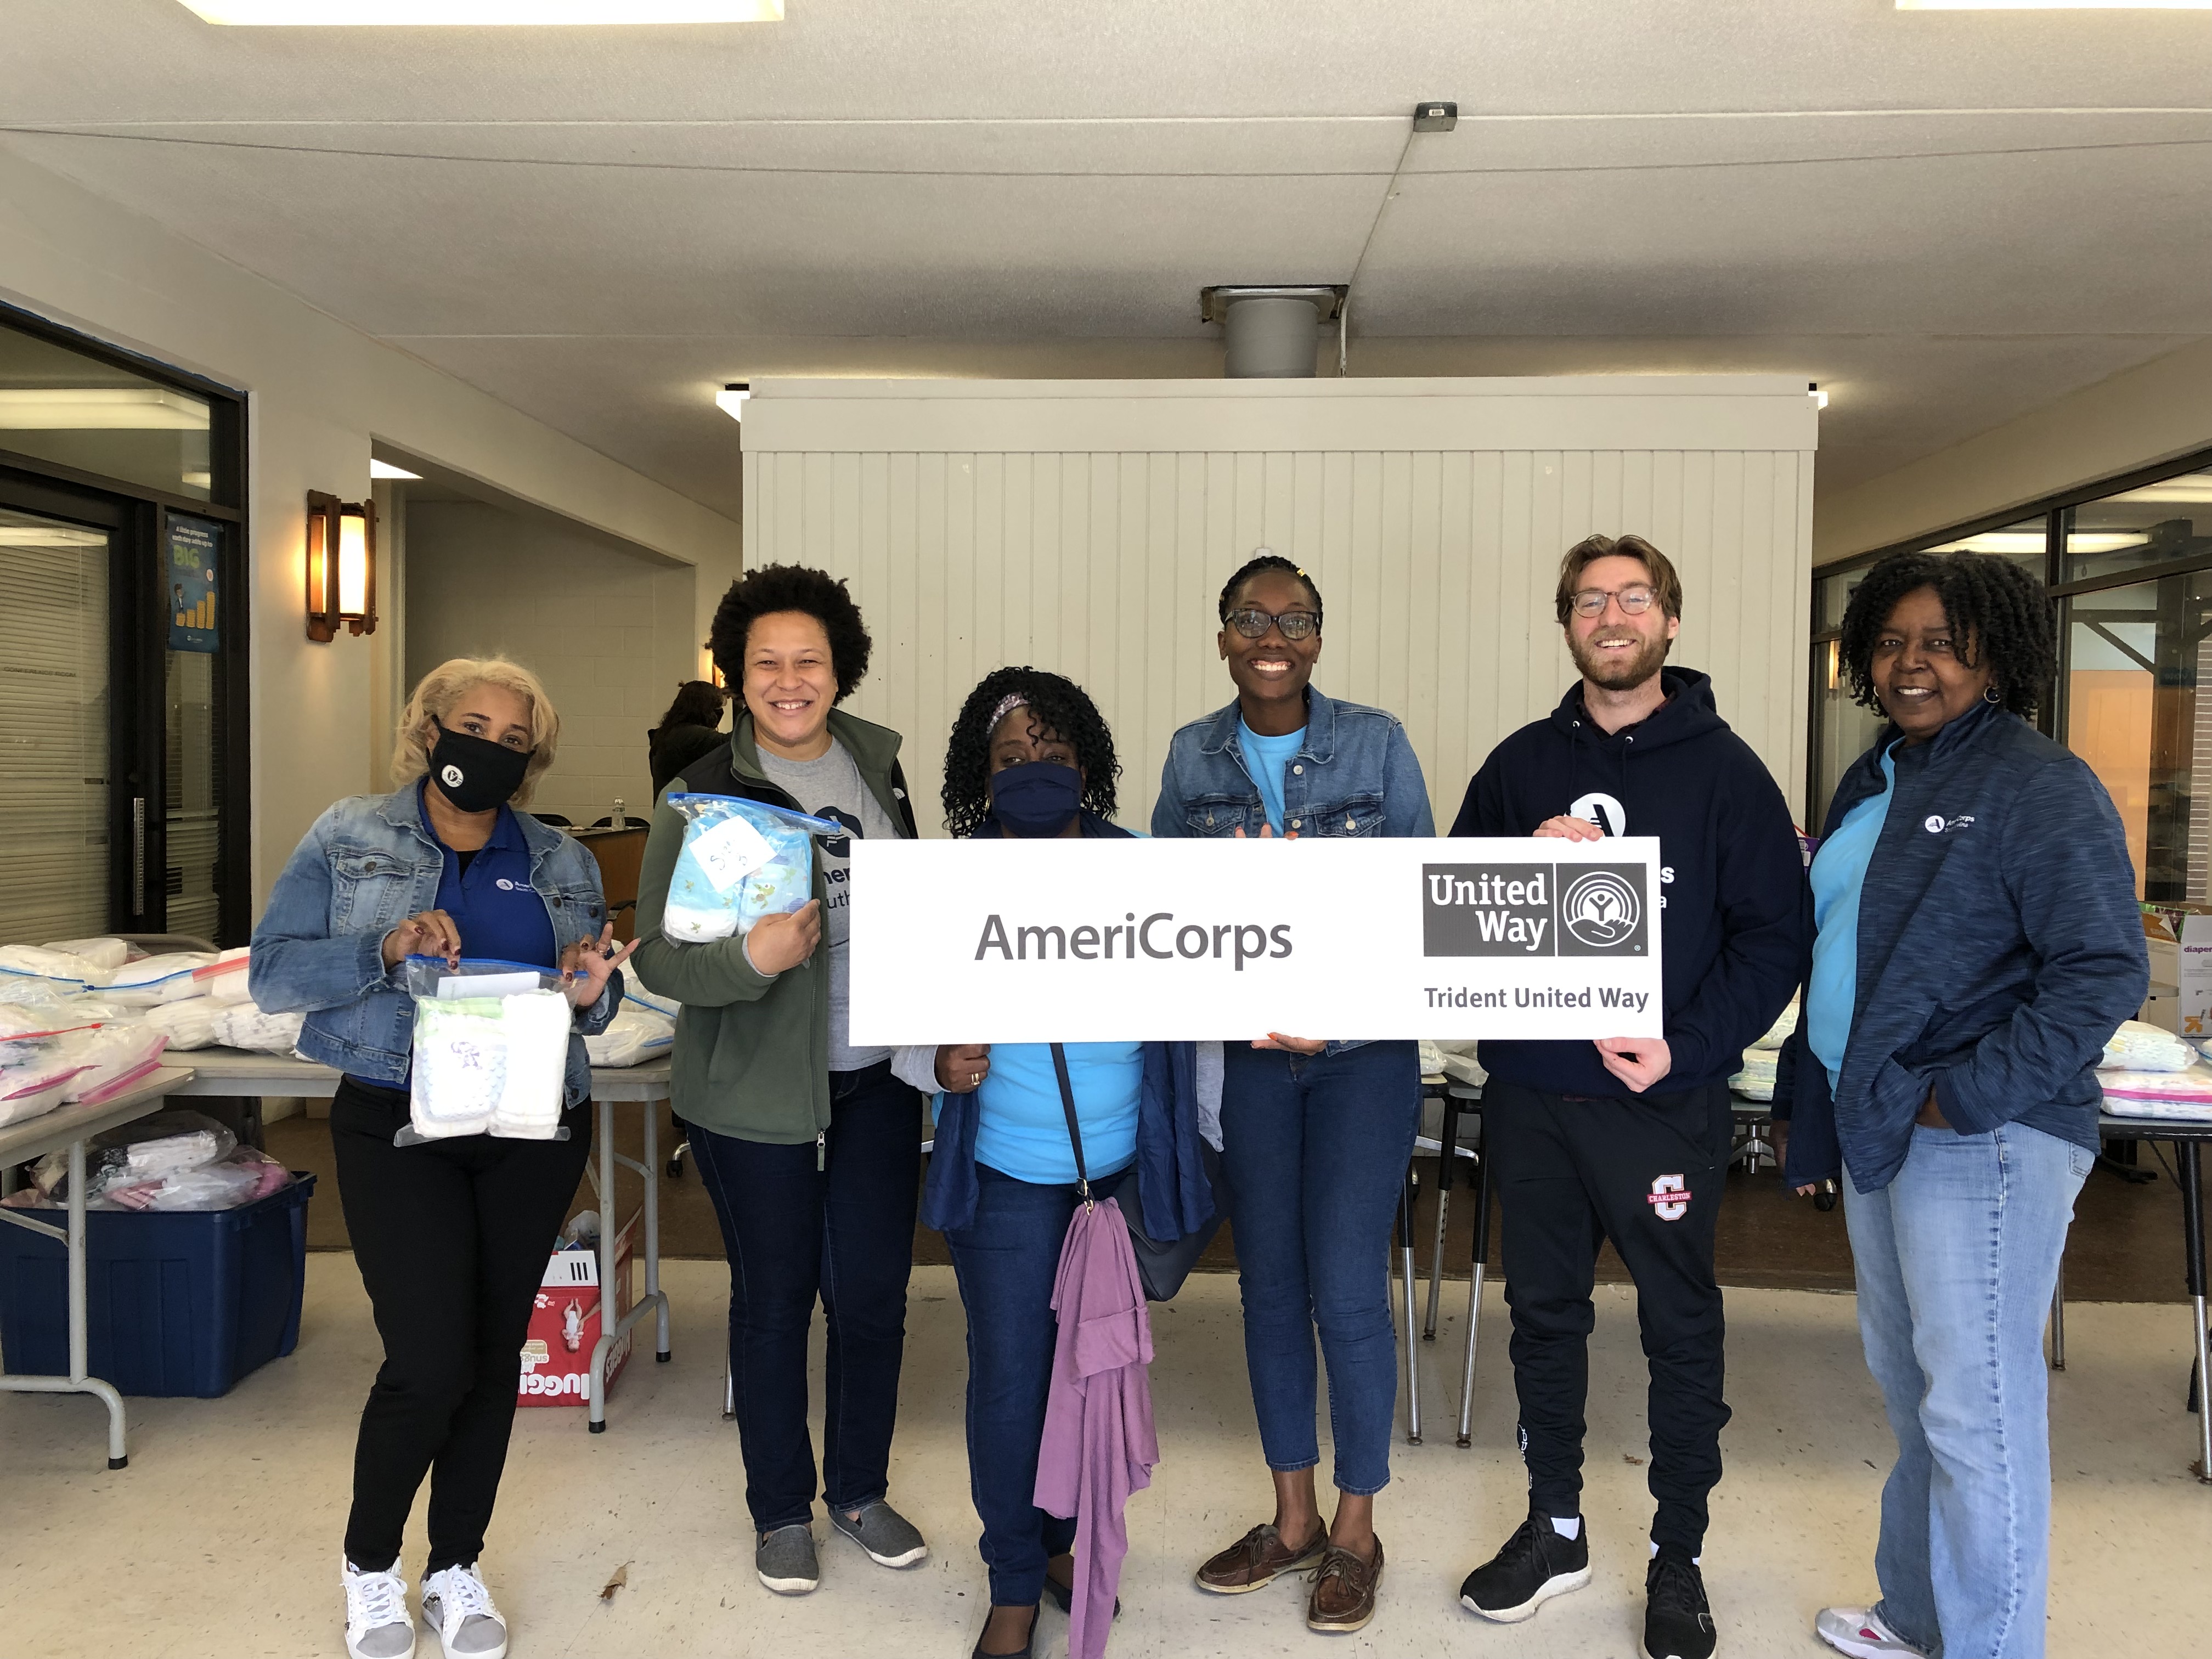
(491, 1050)
(742, 861)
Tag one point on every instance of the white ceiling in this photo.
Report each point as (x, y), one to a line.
(1946, 218)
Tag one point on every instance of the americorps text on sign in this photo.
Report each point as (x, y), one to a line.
(1123, 940)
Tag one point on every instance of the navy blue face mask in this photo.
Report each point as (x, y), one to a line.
(1035, 800)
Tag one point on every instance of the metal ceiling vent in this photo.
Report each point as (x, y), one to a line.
(1272, 329)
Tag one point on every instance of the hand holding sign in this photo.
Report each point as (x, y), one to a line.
(1563, 828)
(1638, 1061)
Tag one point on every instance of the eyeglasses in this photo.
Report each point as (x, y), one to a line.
(1635, 600)
(1295, 624)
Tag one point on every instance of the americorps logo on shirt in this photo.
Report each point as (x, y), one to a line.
(1935, 824)
(507, 885)
(1602, 810)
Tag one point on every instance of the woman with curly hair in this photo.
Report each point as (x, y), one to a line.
(1031, 758)
(1977, 943)
(809, 1147)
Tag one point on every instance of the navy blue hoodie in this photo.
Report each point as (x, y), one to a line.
(1736, 913)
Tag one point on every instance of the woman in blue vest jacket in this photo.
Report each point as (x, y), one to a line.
(451, 1236)
(1977, 943)
(1032, 757)
(1315, 1134)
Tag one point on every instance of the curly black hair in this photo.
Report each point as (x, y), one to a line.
(1998, 612)
(775, 587)
(1060, 706)
(1261, 561)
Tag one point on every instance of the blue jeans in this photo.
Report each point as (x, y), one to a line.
(1957, 1260)
(1006, 1259)
(1316, 1149)
(843, 1234)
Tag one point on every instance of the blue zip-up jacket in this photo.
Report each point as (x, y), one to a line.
(366, 865)
(1999, 947)
(1736, 920)
(1355, 773)
(1174, 1194)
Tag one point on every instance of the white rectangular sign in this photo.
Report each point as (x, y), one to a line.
(1116, 941)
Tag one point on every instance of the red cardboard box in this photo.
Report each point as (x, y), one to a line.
(564, 1326)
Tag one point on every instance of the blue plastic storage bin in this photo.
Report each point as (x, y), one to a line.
(176, 1304)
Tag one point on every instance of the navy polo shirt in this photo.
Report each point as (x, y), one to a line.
(489, 896)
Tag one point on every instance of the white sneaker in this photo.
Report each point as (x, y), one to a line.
(1856, 1632)
(457, 1605)
(377, 1625)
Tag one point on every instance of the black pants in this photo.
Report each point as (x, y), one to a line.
(843, 1233)
(452, 1239)
(1646, 1173)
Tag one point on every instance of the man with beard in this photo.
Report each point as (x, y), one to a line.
(1627, 1138)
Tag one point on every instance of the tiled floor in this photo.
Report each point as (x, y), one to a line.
(221, 1538)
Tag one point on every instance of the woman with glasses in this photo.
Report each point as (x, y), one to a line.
(1315, 1134)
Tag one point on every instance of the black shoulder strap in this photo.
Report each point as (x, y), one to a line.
(1074, 1133)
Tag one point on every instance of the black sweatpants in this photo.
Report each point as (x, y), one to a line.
(1646, 1173)
(452, 1238)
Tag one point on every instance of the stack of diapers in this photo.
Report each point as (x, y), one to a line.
(741, 861)
(491, 1048)
(1756, 1080)
(243, 1025)
(2138, 1046)
(640, 1031)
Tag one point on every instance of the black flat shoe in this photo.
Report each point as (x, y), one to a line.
(1064, 1598)
(1025, 1651)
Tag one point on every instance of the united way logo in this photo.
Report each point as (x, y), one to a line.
(1600, 909)
(1670, 1197)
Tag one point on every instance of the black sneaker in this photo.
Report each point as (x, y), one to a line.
(1536, 1565)
(1678, 1624)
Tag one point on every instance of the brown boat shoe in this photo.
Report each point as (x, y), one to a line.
(1343, 1591)
(1256, 1560)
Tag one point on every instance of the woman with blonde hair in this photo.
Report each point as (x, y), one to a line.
(451, 1236)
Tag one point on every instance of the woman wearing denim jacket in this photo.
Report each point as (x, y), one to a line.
(451, 1236)
(1977, 943)
(1030, 757)
(1316, 1135)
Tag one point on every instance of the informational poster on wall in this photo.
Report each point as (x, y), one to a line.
(1111, 941)
(192, 568)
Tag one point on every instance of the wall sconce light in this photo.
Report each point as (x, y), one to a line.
(341, 566)
(731, 399)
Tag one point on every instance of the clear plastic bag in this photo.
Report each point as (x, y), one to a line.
(742, 861)
(491, 1050)
(243, 1025)
(635, 1034)
(152, 1149)
(157, 980)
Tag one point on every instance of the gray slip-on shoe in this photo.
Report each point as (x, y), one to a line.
(784, 1560)
(891, 1540)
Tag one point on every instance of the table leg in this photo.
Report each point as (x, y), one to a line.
(2058, 1320)
(652, 1227)
(1474, 1291)
(609, 1226)
(80, 1338)
(2192, 1232)
(1447, 1149)
(1407, 1276)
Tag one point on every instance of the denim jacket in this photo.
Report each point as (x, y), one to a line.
(1354, 774)
(367, 865)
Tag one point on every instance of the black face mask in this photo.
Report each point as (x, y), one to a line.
(474, 774)
(1035, 800)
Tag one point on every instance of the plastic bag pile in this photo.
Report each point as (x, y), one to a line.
(2148, 1071)
(172, 1161)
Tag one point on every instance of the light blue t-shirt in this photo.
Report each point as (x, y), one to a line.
(1268, 757)
(1021, 1129)
(1838, 876)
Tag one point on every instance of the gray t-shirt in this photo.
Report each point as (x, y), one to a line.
(832, 787)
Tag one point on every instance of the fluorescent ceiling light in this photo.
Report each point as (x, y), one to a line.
(542, 14)
(2054, 5)
(2190, 488)
(25, 535)
(2030, 542)
(385, 470)
(731, 400)
(49, 409)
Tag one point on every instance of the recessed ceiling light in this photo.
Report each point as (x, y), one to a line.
(542, 14)
(2054, 5)
(385, 470)
(731, 399)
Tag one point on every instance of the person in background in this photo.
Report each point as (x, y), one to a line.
(1978, 943)
(1030, 757)
(691, 731)
(809, 1148)
(1628, 1139)
(451, 1236)
(1315, 1134)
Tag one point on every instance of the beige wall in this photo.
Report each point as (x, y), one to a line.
(1087, 527)
(2150, 413)
(609, 629)
(320, 393)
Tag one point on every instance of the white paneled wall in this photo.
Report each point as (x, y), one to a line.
(1435, 565)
